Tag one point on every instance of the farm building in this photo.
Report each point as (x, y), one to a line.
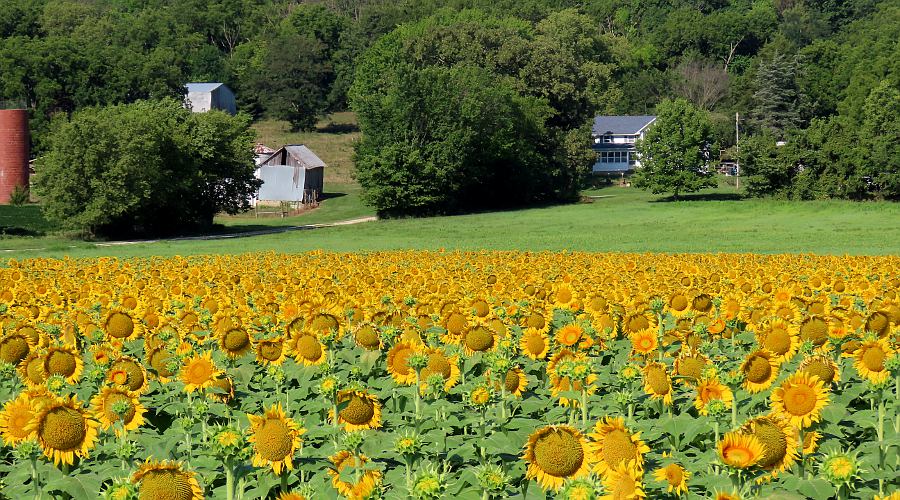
(261, 153)
(613, 140)
(202, 97)
(293, 173)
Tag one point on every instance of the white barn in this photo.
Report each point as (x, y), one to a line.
(202, 97)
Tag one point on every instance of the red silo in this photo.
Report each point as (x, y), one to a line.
(13, 151)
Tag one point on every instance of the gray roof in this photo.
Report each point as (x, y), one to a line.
(303, 154)
(202, 87)
(621, 124)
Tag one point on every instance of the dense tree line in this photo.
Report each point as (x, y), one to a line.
(803, 72)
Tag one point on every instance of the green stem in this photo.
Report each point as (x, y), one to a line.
(881, 447)
(802, 454)
(229, 480)
(35, 479)
(284, 481)
(481, 445)
(418, 399)
(734, 414)
(584, 407)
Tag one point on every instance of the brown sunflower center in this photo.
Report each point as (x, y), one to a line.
(400, 363)
(657, 379)
(535, 344)
(159, 360)
(135, 374)
(479, 339)
(236, 340)
(273, 440)
(674, 474)
(199, 371)
(437, 363)
(558, 453)
(119, 325)
(309, 348)
(815, 330)
(637, 323)
(456, 323)
(778, 341)
(367, 337)
(702, 303)
(535, 320)
(14, 349)
(738, 456)
(678, 302)
(758, 370)
(873, 359)
(324, 323)
(774, 443)
(799, 399)
(360, 410)
(877, 322)
(618, 447)
(821, 369)
(271, 351)
(60, 363)
(511, 381)
(691, 367)
(564, 296)
(63, 428)
(166, 485)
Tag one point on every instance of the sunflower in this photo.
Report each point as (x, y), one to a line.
(235, 342)
(727, 495)
(536, 319)
(292, 495)
(644, 342)
(624, 483)
(778, 439)
(556, 453)
(534, 344)
(308, 350)
(569, 335)
(440, 363)
(800, 398)
(398, 363)
(31, 369)
(613, 444)
(104, 409)
(689, 366)
(657, 384)
(869, 360)
(199, 372)
(222, 389)
(515, 382)
(15, 419)
(675, 478)
(678, 304)
(778, 337)
(814, 329)
(14, 348)
(362, 410)
(166, 480)
(366, 336)
(822, 366)
(711, 389)
(64, 361)
(479, 338)
(759, 370)
(270, 351)
(740, 451)
(275, 438)
(362, 487)
(120, 324)
(562, 382)
(163, 362)
(64, 430)
(135, 374)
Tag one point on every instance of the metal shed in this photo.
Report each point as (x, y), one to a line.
(292, 173)
(202, 97)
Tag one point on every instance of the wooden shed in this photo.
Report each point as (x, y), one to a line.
(292, 173)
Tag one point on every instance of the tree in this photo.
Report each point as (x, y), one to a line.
(777, 100)
(675, 150)
(702, 83)
(881, 135)
(151, 167)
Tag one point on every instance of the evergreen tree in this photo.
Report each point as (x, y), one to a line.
(777, 101)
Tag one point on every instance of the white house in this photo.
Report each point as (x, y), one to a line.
(613, 140)
(202, 97)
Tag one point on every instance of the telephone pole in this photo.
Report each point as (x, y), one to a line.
(737, 152)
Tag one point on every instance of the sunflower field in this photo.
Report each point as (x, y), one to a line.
(429, 375)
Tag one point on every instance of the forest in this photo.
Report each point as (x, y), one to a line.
(822, 76)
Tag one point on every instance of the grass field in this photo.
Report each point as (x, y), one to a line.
(622, 219)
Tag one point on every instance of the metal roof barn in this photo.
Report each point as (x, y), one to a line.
(292, 173)
(202, 97)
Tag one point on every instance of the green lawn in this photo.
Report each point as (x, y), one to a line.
(622, 219)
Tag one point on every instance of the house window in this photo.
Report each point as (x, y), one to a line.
(614, 157)
(607, 139)
(629, 139)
